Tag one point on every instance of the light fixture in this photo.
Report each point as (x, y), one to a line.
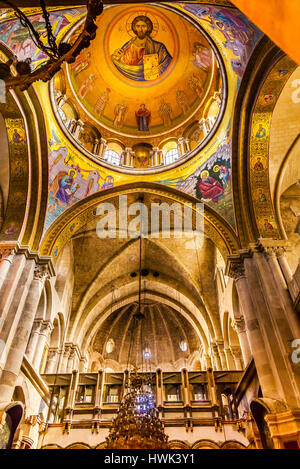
(110, 345)
(57, 53)
(183, 346)
(137, 424)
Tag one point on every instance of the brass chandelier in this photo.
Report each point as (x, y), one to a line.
(58, 53)
(137, 424)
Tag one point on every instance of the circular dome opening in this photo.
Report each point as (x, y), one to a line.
(147, 94)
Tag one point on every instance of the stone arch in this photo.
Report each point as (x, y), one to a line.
(215, 227)
(232, 444)
(205, 444)
(5, 169)
(28, 139)
(79, 445)
(178, 444)
(101, 445)
(94, 323)
(251, 104)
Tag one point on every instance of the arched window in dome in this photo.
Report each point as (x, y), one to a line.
(172, 155)
(170, 151)
(62, 114)
(110, 345)
(112, 157)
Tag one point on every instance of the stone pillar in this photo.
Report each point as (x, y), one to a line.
(13, 278)
(71, 126)
(203, 126)
(73, 388)
(181, 146)
(239, 326)
(276, 318)
(6, 257)
(33, 339)
(65, 358)
(187, 145)
(212, 387)
(231, 365)
(284, 265)
(275, 256)
(78, 128)
(256, 340)
(73, 359)
(18, 346)
(45, 330)
(159, 388)
(216, 357)
(62, 100)
(102, 148)
(96, 147)
(155, 156)
(52, 360)
(237, 355)
(83, 364)
(185, 387)
(128, 159)
(221, 353)
(208, 362)
(99, 389)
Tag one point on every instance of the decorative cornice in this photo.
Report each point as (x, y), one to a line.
(41, 273)
(238, 324)
(9, 249)
(235, 269)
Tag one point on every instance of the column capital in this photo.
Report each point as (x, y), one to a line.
(46, 327)
(41, 273)
(236, 351)
(7, 254)
(235, 269)
(238, 324)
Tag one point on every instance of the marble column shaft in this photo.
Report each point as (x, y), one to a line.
(43, 336)
(19, 343)
(256, 340)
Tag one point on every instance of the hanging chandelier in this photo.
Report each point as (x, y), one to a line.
(137, 424)
(57, 53)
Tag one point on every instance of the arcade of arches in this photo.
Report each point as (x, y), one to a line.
(198, 117)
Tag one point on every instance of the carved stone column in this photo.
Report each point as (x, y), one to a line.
(52, 360)
(65, 358)
(12, 271)
(208, 362)
(78, 128)
(237, 356)
(102, 148)
(96, 147)
(256, 339)
(73, 359)
(275, 256)
(181, 146)
(187, 145)
(45, 330)
(238, 324)
(6, 257)
(33, 338)
(83, 365)
(19, 343)
(220, 345)
(185, 386)
(216, 357)
(231, 365)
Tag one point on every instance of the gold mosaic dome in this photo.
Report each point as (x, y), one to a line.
(150, 83)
